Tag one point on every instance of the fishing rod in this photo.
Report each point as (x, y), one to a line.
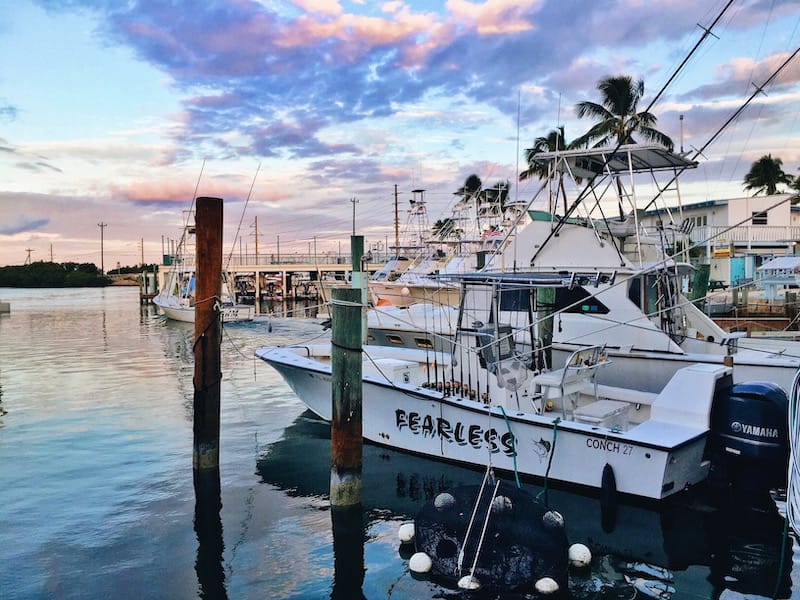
(590, 183)
(759, 89)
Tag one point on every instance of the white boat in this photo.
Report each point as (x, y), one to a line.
(176, 300)
(629, 295)
(477, 226)
(492, 399)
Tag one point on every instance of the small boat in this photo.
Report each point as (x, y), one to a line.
(495, 396)
(176, 300)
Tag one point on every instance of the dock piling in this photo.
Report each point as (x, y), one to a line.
(207, 334)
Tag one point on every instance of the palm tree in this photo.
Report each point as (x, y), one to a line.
(765, 174)
(472, 185)
(445, 228)
(552, 142)
(617, 115)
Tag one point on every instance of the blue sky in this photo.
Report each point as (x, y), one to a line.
(109, 110)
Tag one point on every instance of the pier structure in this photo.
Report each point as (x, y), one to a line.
(255, 279)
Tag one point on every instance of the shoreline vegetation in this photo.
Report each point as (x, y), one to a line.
(64, 275)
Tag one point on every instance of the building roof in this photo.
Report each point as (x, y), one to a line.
(781, 262)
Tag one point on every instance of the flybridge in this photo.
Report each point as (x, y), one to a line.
(628, 158)
(565, 279)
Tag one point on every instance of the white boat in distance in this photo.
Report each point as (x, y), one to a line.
(492, 400)
(631, 298)
(177, 300)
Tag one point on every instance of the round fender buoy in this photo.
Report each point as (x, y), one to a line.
(502, 504)
(405, 291)
(468, 582)
(444, 500)
(546, 585)
(406, 533)
(552, 519)
(420, 563)
(579, 556)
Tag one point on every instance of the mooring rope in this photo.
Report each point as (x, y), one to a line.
(513, 444)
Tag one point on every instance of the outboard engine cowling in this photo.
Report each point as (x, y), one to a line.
(750, 434)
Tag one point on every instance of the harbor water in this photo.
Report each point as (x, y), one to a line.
(97, 498)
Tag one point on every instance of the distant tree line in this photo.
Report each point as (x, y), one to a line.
(52, 275)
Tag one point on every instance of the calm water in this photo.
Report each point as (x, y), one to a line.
(97, 496)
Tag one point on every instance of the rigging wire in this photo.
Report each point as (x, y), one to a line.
(590, 183)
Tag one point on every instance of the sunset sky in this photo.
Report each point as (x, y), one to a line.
(113, 112)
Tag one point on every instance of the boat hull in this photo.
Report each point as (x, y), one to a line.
(650, 463)
(230, 314)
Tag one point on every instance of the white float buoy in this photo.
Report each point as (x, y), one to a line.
(406, 533)
(405, 291)
(444, 500)
(501, 504)
(552, 519)
(546, 585)
(468, 582)
(420, 563)
(579, 555)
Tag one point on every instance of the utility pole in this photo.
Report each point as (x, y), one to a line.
(354, 201)
(28, 260)
(102, 226)
(396, 225)
(142, 240)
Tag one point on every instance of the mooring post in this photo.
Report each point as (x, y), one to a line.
(346, 443)
(207, 334)
(346, 371)
(358, 279)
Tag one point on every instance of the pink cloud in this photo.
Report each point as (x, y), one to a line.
(322, 7)
(494, 16)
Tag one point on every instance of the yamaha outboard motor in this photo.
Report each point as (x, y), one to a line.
(749, 442)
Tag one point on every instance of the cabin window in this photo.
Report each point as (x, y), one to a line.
(394, 339)
(759, 218)
(423, 343)
(578, 300)
(515, 300)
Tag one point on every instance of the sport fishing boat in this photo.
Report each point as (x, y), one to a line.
(496, 398)
(631, 298)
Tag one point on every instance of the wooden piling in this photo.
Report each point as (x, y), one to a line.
(346, 422)
(207, 334)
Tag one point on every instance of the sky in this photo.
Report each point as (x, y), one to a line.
(304, 115)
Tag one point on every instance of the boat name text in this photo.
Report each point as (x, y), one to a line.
(460, 433)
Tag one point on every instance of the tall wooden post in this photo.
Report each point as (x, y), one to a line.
(207, 334)
(346, 443)
(346, 423)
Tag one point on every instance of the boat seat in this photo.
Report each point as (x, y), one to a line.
(579, 369)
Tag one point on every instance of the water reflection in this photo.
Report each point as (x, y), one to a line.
(208, 528)
(649, 551)
(348, 552)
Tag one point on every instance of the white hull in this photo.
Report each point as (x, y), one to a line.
(230, 313)
(644, 357)
(653, 459)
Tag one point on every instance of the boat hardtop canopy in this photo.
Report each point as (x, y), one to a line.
(637, 158)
